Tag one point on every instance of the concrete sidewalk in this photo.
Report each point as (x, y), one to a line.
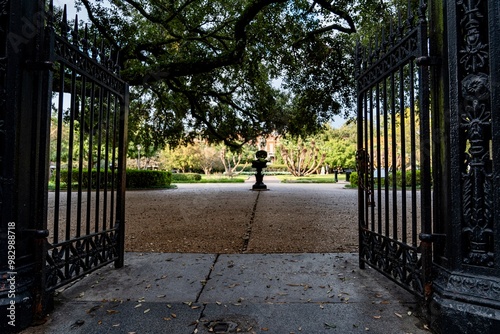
(250, 292)
(236, 293)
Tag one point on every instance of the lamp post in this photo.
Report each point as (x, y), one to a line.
(138, 156)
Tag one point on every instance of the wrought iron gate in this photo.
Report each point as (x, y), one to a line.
(394, 153)
(87, 155)
(63, 125)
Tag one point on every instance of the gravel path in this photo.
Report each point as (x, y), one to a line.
(230, 218)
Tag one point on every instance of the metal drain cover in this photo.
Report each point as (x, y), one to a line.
(222, 327)
(228, 323)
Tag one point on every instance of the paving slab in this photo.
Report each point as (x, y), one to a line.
(287, 318)
(297, 278)
(120, 317)
(148, 276)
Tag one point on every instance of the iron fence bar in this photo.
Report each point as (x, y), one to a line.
(122, 162)
(81, 154)
(371, 202)
(99, 158)
(386, 160)
(379, 163)
(69, 184)
(413, 155)
(394, 158)
(113, 158)
(402, 118)
(365, 152)
(57, 201)
(106, 166)
(360, 111)
(90, 159)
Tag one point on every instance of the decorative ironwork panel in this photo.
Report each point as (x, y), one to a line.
(393, 158)
(475, 135)
(3, 96)
(87, 150)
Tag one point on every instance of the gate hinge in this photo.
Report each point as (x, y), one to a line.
(428, 61)
(38, 234)
(434, 237)
(39, 65)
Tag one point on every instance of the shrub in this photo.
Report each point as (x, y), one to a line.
(354, 179)
(399, 178)
(144, 179)
(185, 177)
(135, 178)
(85, 178)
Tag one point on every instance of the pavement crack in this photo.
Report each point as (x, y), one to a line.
(207, 278)
(248, 233)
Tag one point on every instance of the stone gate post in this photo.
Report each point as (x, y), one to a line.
(23, 178)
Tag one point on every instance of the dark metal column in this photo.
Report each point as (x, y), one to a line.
(467, 271)
(23, 180)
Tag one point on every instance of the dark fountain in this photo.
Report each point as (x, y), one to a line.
(259, 163)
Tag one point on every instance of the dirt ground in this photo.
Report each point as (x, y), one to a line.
(231, 218)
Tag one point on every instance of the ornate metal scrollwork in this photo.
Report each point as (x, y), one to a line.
(475, 134)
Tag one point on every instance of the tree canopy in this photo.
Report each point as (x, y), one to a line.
(210, 68)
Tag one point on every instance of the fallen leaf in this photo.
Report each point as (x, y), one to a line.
(167, 319)
(93, 308)
(112, 311)
(329, 326)
(377, 317)
(138, 305)
(173, 315)
(146, 311)
(398, 315)
(116, 325)
(265, 329)
(161, 296)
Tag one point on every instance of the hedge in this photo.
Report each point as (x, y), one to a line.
(85, 177)
(143, 179)
(399, 179)
(135, 178)
(353, 179)
(185, 177)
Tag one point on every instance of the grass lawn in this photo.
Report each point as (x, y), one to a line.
(314, 178)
